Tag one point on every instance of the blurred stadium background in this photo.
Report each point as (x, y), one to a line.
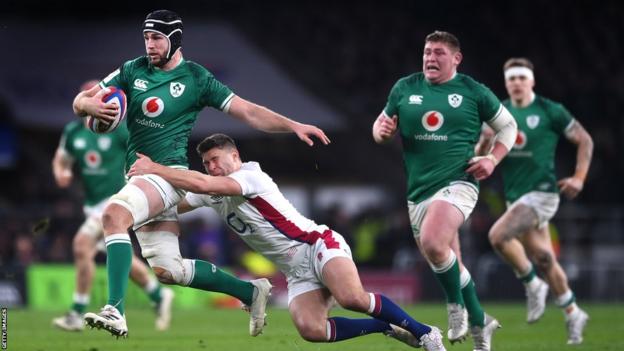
(331, 64)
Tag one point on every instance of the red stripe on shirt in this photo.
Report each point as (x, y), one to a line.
(290, 229)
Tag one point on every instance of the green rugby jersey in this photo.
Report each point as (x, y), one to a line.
(163, 106)
(99, 158)
(439, 126)
(530, 165)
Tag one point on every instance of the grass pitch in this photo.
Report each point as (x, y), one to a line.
(223, 329)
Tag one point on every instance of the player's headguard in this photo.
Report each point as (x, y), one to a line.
(167, 23)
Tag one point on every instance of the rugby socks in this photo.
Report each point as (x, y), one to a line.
(567, 301)
(528, 278)
(340, 328)
(152, 289)
(384, 309)
(210, 278)
(81, 301)
(476, 316)
(118, 262)
(447, 275)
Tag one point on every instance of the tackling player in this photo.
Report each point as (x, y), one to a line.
(165, 93)
(532, 193)
(315, 259)
(100, 162)
(438, 114)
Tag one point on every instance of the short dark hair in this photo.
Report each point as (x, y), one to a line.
(218, 140)
(444, 37)
(518, 62)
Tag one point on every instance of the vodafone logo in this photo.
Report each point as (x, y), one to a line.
(432, 120)
(521, 140)
(152, 106)
(93, 159)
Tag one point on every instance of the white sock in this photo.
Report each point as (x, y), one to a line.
(566, 301)
(152, 284)
(446, 265)
(82, 299)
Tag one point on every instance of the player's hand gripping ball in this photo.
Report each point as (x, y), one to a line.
(115, 96)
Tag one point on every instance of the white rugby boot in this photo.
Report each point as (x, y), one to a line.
(458, 322)
(258, 306)
(109, 319)
(482, 336)
(575, 324)
(536, 301)
(163, 309)
(71, 321)
(431, 341)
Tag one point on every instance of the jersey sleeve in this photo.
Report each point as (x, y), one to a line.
(196, 200)
(252, 183)
(561, 118)
(489, 105)
(211, 91)
(119, 77)
(392, 106)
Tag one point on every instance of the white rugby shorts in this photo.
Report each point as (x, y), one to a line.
(544, 204)
(308, 273)
(462, 195)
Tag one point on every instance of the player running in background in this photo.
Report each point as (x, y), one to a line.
(438, 114)
(316, 260)
(532, 193)
(99, 159)
(165, 93)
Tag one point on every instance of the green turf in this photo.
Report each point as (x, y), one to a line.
(216, 329)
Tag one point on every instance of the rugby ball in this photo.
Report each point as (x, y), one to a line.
(117, 97)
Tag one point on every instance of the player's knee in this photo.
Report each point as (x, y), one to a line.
(161, 250)
(83, 247)
(164, 276)
(496, 238)
(169, 269)
(114, 220)
(312, 331)
(434, 249)
(354, 302)
(544, 260)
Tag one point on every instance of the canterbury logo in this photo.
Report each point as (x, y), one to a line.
(140, 84)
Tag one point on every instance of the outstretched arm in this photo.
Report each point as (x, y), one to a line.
(266, 120)
(188, 180)
(572, 186)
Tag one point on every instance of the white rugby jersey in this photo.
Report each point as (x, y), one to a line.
(264, 219)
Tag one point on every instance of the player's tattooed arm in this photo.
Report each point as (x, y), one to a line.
(572, 186)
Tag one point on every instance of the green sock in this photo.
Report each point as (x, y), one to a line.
(529, 276)
(118, 262)
(154, 295)
(78, 307)
(476, 316)
(448, 277)
(210, 278)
